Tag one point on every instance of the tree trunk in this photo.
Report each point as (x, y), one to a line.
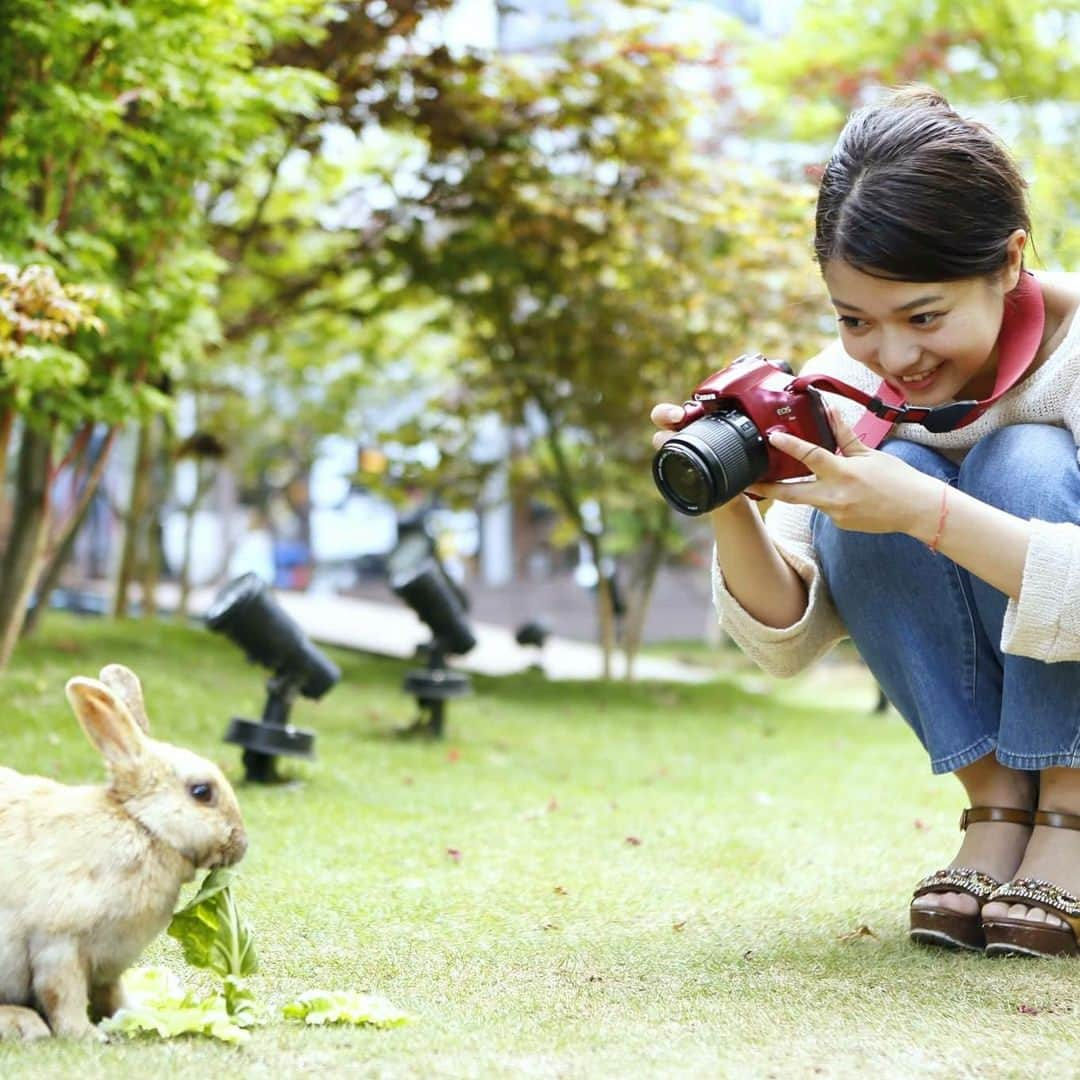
(640, 599)
(160, 485)
(29, 533)
(133, 520)
(7, 422)
(565, 490)
(190, 511)
(150, 567)
(605, 606)
(605, 611)
(56, 561)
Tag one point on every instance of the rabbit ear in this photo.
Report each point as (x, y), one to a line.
(106, 720)
(124, 683)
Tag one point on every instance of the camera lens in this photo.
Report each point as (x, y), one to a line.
(709, 462)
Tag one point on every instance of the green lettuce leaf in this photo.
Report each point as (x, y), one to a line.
(345, 1007)
(211, 931)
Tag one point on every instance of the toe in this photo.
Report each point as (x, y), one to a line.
(1021, 911)
(1030, 914)
(961, 903)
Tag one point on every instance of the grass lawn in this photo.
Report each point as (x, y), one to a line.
(583, 880)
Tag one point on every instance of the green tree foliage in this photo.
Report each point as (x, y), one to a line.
(1012, 64)
(596, 267)
(310, 310)
(39, 318)
(112, 119)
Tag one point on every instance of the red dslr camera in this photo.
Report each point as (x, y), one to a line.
(722, 446)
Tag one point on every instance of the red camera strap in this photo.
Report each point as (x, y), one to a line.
(1018, 342)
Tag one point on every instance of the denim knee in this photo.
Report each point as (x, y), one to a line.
(923, 458)
(1029, 470)
(847, 552)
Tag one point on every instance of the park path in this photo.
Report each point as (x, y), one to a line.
(391, 629)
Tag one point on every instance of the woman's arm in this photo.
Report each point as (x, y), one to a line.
(764, 585)
(868, 491)
(753, 571)
(990, 543)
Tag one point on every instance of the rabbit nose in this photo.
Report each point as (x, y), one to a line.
(237, 846)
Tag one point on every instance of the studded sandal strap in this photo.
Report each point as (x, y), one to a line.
(958, 879)
(1057, 820)
(1037, 892)
(974, 814)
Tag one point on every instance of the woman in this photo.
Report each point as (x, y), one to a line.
(952, 559)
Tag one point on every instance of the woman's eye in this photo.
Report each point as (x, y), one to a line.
(925, 318)
(201, 792)
(849, 322)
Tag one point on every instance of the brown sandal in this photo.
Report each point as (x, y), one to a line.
(952, 929)
(1006, 936)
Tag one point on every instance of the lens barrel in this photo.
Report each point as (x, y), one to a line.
(709, 462)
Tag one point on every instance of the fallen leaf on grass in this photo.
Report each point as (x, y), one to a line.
(863, 931)
(548, 808)
(454, 854)
(920, 824)
(1027, 1010)
(560, 890)
(633, 841)
(345, 1007)
(680, 925)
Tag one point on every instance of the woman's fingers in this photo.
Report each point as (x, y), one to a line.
(789, 491)
(812, 456)
(848, 443)
(665, 414)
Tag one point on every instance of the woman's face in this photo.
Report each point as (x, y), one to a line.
(931, 341)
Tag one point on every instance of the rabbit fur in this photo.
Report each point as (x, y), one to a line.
(89, 876)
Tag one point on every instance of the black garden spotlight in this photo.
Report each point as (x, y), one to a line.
(246, 613)
(533, 634)
(417, 576)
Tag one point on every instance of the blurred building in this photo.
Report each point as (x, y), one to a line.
(536, 25)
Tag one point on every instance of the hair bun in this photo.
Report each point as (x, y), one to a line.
(917, 96)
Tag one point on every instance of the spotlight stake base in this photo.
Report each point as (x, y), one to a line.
(433, 686)
(265, 739)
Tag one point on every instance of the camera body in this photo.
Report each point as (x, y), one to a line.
(722, 442)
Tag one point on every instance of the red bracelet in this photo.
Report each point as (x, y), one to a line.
(943, 513)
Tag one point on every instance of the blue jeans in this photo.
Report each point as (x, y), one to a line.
(931, 632)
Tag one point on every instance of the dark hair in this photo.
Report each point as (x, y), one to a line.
(915, 191)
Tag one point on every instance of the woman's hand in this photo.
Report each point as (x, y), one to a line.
(862, 490)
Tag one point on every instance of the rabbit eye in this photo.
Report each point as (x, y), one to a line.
(201, 792)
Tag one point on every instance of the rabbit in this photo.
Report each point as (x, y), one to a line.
(89, 876)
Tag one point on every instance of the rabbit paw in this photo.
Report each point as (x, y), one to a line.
(17, 1022)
